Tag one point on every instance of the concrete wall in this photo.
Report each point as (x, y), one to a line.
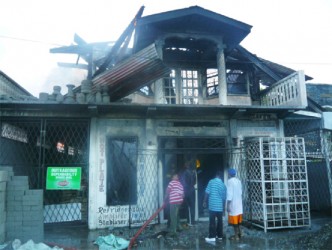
(148, 131)
(100, 130)
(4, 177)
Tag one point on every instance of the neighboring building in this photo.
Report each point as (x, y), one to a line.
(11, 89)
(189, 91)
(314, 124)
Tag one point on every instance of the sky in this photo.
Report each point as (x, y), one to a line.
(293, 33)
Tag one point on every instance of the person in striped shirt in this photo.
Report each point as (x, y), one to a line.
(174, 196)
(215, 193)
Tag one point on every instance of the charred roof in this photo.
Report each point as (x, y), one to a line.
(190, 21)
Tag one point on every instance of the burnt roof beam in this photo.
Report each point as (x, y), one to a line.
(258, 63)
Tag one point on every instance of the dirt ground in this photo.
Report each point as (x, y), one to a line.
(318, 236)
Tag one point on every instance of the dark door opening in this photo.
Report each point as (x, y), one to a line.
(209, 165)
(207, 151)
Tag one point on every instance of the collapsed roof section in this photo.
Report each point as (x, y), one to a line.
(131, 74)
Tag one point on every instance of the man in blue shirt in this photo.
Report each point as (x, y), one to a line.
(215, 193)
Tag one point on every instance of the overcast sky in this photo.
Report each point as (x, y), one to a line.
(294, 33)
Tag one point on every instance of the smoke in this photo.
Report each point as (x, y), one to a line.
(63, 76)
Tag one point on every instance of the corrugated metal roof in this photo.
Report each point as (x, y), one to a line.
(130, 75)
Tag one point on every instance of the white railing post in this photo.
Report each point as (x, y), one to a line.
(290, 91)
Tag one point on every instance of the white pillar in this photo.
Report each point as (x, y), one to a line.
(221, 64)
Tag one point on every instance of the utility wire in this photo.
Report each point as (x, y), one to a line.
(248, 62)
(29, 40)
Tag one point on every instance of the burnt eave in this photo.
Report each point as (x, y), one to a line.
(194, 10)
(125, 110)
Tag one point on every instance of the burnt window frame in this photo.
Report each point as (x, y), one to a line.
(212, 84)
(189, 86)
(233, 81)
(121, 188)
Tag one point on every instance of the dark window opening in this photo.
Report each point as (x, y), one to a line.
(121, 160)
(236, 82)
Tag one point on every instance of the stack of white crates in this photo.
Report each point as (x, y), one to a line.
(25, 219)
(21, 209)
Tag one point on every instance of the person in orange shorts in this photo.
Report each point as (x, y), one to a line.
(234, 203)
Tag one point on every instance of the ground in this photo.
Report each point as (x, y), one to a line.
(318, 236)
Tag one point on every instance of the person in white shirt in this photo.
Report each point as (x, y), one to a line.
(234, 203)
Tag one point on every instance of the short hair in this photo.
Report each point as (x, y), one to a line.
(219, 173)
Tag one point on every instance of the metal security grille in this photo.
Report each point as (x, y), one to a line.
(66, 145)
(318, 155)
(147, 189)
(32, 145)
(201, 143)
(301, 126)
(20, 149)
(236, 159)
(278, 193)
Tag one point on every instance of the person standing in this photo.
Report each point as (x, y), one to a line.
(215, 193)
(234, 203)
(188, 180)
(174, 196)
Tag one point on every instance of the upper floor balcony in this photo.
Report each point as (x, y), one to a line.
(186, 87)
(240, 79)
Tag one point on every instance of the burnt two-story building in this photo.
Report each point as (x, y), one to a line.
(186, 91)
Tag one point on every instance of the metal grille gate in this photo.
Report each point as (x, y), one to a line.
(31, 145)
(277, 182)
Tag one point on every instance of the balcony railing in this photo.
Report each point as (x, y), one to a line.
(290, 91)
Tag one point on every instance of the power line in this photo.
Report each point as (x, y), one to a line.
(55, 44)
(29, 40)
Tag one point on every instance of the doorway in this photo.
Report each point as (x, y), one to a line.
(206, 155)
(209, 164)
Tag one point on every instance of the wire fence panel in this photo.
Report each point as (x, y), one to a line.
(147, 189)
(32, 145)
(318, 154)
(20, 149)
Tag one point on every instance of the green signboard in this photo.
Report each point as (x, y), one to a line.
(63, 178)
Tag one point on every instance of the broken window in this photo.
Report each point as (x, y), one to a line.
(181, 87)
(212, 82)
(170, 88)
(121, 162)
(189, 86)
(236, 82)
(146, 90)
